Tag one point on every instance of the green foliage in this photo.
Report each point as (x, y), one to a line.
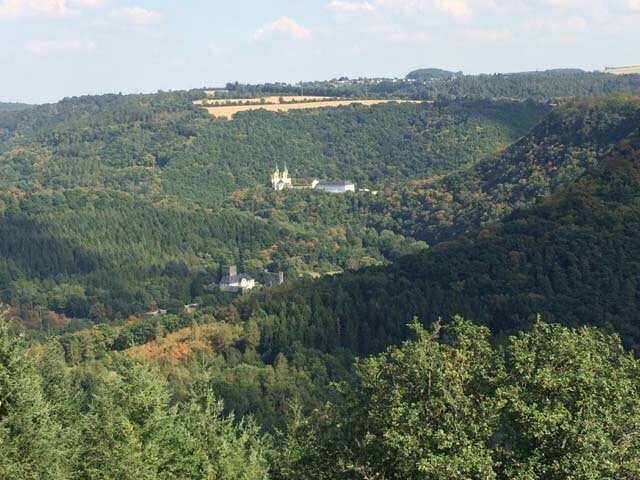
(424, 74)
(569, 141)
(12, 106)
(223, 449)
(118, 423)
(549, 403)
(569, 406)
(98, 254)
(32, 443)
(101, 141)
(539, 86)
(114, 205)
(367, 145)
(552, 403)
(573, 258)
(424, 410)
(162, 143)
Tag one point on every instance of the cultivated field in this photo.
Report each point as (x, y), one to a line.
(258, 100)
(301, 103)
(634, 70)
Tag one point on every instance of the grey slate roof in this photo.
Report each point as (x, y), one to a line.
(334, 183)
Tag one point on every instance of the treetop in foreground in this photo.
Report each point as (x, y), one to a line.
(550, 403)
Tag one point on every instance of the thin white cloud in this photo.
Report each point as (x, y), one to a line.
(136, 15)
(560, 3)
(284, 26)
(339, 6)
(452, 8)
(89, 3)
(634, 5)
(44, 47)
(14, 9)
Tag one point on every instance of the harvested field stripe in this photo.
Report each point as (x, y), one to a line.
(229, 111)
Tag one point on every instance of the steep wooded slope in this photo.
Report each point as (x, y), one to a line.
(574, 258)
(570, 140)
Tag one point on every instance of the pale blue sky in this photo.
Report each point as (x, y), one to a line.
(56, 48)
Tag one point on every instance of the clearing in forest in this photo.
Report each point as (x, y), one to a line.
(229, 107)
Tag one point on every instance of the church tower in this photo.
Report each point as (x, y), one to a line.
(275, 178)
(285, 179)
(280, 181)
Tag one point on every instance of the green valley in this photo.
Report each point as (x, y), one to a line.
(470, 310)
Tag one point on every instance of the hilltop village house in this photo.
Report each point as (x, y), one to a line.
(234, 282)
(281, 181)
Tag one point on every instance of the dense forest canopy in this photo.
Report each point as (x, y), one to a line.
(423, 74)
(551, 403)
(544, 86)
(502, 201)
(569, 141)
(175, 193)
(574, 257)
(12, 106)
(139, 199)
(164, 144)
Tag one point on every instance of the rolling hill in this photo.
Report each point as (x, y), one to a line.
(13, 107)
(558, 150)
(139, 197)
(574, 257)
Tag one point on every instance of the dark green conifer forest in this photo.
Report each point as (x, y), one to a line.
(471, 312)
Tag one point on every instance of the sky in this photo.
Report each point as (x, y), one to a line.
(51, 49)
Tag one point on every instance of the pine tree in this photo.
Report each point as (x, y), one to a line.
(31, 444)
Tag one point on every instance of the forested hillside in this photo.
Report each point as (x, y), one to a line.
(139, 199)
(145, 233)
(162, 144)
(548, 402)
(572, 258)
(100, 141)
(545, 86)
(424, 74)
(12, 106)
(522, 217)
(570, 140)
(567, 142)
(370, 146)
(105, 254)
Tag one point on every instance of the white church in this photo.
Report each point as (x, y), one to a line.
(282, 180)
